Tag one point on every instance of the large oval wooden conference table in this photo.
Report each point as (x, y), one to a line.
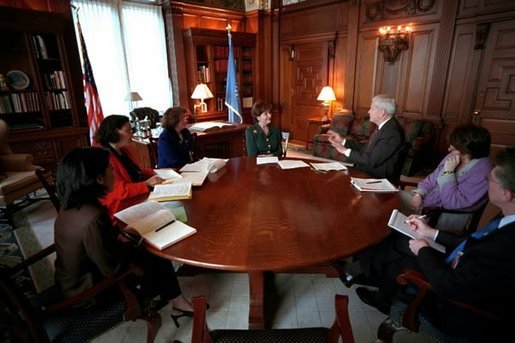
(259, 218)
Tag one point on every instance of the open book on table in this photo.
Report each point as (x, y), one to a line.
(210, 126)
(196, 178)
(169, 192)
(207, 164)
(168, 174)
(155, 224)
(373, 185)
(398, 222)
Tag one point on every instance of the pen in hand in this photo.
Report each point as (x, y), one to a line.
(419, 217)
(165, 225)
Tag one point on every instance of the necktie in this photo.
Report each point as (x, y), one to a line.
(372, 139)
(493, 225)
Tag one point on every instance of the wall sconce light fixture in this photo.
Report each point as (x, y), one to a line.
(393, 40)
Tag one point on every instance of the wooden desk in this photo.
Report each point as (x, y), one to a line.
(256, 219)
(224, 143)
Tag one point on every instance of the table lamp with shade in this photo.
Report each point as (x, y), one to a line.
(201, 92)
(326, 96)
(133, 97)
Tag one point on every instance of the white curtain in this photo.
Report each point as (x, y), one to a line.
(127, 50)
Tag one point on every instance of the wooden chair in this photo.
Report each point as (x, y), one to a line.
(471, 214)
(408, 316)
(47, 317)
(47, 180)
(340, 328)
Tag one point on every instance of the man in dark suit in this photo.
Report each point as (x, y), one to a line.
(479, 270)
(383, 155)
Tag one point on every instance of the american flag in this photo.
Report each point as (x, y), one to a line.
(92, 101)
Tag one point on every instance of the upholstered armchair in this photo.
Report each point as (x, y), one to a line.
(419, 139)
(146, 112)
(17, 173)
(407, 311)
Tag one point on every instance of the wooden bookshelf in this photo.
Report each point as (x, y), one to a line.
(42, 102)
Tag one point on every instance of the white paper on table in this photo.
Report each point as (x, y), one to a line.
(329, 166)
(266, 160)
(291, 164)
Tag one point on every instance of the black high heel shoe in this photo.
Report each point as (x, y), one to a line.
(184, 313)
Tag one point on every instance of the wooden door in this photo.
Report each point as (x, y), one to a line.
(495, 97)
(309, 76)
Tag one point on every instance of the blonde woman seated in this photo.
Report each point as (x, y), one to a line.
(261, 138)
(459, 181)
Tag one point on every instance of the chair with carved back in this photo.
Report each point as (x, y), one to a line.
(47, 317)
(407, 311)
(468, 218)
(340, 329)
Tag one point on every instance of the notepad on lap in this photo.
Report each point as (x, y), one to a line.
(373, 185)
(155, 224)
(398, 222)
(169, 192)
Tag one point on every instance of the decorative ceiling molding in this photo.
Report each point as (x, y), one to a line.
(377, 10)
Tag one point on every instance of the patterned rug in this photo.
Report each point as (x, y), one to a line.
(15, 245)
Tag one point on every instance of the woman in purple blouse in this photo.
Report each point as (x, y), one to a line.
(460, 180)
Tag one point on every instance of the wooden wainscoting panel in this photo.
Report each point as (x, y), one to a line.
(367, 59)
(496, 88)
(413, 94)
(461, 76)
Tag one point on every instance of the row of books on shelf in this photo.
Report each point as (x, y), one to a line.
(54, 80)
(40, 47)
(223, 52)
(58, 101)
(203, 74)
(19, 102)
(221, 66)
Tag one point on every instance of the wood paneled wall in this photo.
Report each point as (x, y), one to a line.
(443, 77)
(460, 60)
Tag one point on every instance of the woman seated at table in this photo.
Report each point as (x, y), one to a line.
(131, 183)
(459, 181)
(176, 143)
(88, 245)
(263, 139)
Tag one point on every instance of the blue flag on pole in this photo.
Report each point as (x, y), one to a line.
(232, 96)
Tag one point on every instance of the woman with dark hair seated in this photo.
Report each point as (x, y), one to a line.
(86, 241)
(459, 181)
(131, 183)
(262, 139)
(175, 145)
